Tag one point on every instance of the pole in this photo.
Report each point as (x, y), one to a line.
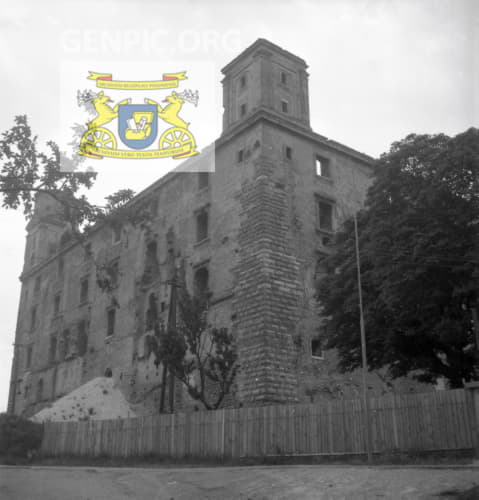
(363, 345)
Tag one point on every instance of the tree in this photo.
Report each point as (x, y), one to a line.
(418, 238)
(200, 356)
(26, 171)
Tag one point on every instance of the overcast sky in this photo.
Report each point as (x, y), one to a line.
(378, 71)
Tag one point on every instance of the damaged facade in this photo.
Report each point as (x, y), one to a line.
(251, 233)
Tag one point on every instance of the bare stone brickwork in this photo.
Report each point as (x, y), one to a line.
(268, 212)
(266, 294)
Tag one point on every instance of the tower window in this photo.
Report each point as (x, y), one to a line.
(111, 313)
(202, 225)
(56, 304)
(322, 167)
(288, 152)
(284, 106)
(325, 215)
(317, 348)
(284, 78)
(243, 109)
(203, 180)
(240, 156)
(83, 290)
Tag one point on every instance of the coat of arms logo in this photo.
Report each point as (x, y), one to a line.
(138, 124)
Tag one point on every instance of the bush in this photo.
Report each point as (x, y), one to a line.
(18, 436)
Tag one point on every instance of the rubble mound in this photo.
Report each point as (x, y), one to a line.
(98, 399)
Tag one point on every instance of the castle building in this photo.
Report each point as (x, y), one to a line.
(252, 233)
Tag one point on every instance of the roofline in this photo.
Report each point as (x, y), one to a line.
(262, 43)
(266, 114)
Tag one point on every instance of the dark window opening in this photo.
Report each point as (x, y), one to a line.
(243, 82)
(87, 254)
(113, 273)
(243, 109)
(82, 340)
(39, 395)
(240, 156)
(288, 153)
(152, 266)
(61, 267)
(108, 373)
(64, 347)
(284, 106)
(284, 78)
(151, 322)
(316, 348)
(322, 167)
(201, 282)
(56, 304)
(325, 215)
(162, 307)
(33, 318)
(201, 226)
(84, 290)
(110, 322)
(203, 180)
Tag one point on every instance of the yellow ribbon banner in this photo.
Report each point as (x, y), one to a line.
(98, 152)
(170, 81)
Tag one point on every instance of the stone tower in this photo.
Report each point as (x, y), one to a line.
(264, 85)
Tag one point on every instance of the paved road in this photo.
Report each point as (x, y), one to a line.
(224, 483)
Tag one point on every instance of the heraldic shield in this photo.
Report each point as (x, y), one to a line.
(138, 124)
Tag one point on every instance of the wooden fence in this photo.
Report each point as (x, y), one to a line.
(420, 422)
